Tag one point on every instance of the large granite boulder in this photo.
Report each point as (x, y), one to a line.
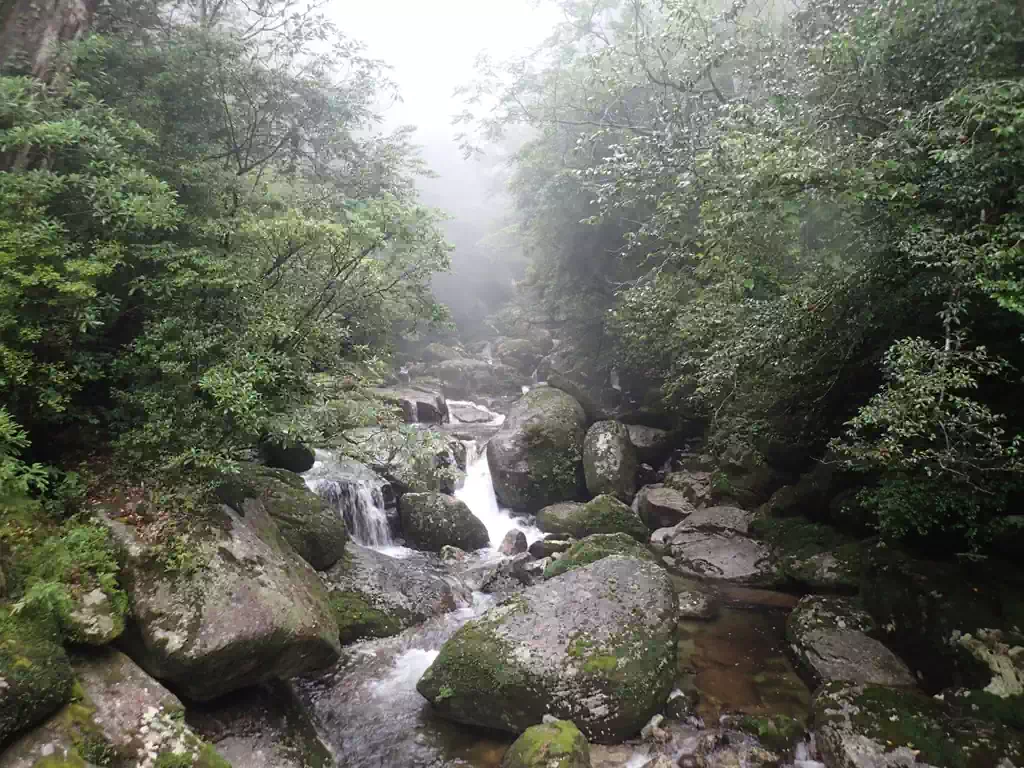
(554, 744)
(609, 461)
(432, 520)
(312, 528)
(830, 638)
(604, 514)
(811, 557)
(236, 606)
(419, 405)
(714, 543)
(662, 507)
(465, 378)
(595, 646)
(593, 548)
(536, 457)
(373, 595)
(521, 354)
(870, 726)
(35, 674)
(652, 445)
(121, 717)
(436, 352)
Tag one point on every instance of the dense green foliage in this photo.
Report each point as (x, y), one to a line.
(804, 225)
(201, 232)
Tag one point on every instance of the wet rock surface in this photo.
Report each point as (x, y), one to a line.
(120, 716)
(251, 609)
(652, 444)
(714, 543)
(603, 514)
(373, 595)
(830, 637)
(419, 404)
(594, 646)
(592, 548)
(433, 520)
(535, 458)
(554, 744)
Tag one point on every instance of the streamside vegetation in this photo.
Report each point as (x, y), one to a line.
(801, 221)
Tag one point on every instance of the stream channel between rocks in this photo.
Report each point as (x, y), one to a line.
(367, 709)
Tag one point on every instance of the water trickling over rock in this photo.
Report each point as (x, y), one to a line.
(357, 493)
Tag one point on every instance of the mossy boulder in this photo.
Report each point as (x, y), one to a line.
(373, 595)
(313, 529)
(225, 605)
(536, 457)
(433, 520)
(554, 744)
(551, 544)
(811, 556)
(603, 514)
(831, 639)
(936, 615)
(118, 716)
(609, 461)
(294, 457)
(521, 354)
(869, 725)
(418, 404)
(595, 646)
(35, 674)
(593, 548)
(466, 378)
(436, 352)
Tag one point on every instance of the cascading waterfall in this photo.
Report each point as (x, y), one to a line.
(478, 493)
(356, 494)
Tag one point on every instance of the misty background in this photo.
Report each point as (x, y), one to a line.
(430, 54)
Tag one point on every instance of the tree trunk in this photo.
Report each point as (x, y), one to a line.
(33, 30)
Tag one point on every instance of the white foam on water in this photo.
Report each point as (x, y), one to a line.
(478, 493)
(405, 673)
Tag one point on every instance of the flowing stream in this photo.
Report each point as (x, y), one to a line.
(370, 714)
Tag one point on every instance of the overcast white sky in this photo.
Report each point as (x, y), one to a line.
(432, 44)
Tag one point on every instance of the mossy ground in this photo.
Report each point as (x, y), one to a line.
(593, 548)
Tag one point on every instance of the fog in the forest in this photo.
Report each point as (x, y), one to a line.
(431, 53)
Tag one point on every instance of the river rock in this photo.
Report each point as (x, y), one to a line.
(595, 646)
(811, 557)
(121, 717)
(313, 529)
(662, 507)
(609, 461)
(513, 543)
(242, 608)
(695, 486)
(871, 726)
(523, 355)
(464, 378)
(554, 744)
(603, 514)
(713, 543)
(419, 404)
(35, 674)
(696, 604)
(431, 520)
(551, 544)
(373, 595)
(830, 638)
(593, 548)
(535, 458)
(261, 727)
(652, 445)
(436, 352)
(468, 413)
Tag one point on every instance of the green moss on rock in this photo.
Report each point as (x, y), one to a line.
(35, 672)
(433, 520)
(779, 733)
(593, 548)
(858, 718)
(555, 744)
(603, 514)
(358, 619)
(811, 556)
